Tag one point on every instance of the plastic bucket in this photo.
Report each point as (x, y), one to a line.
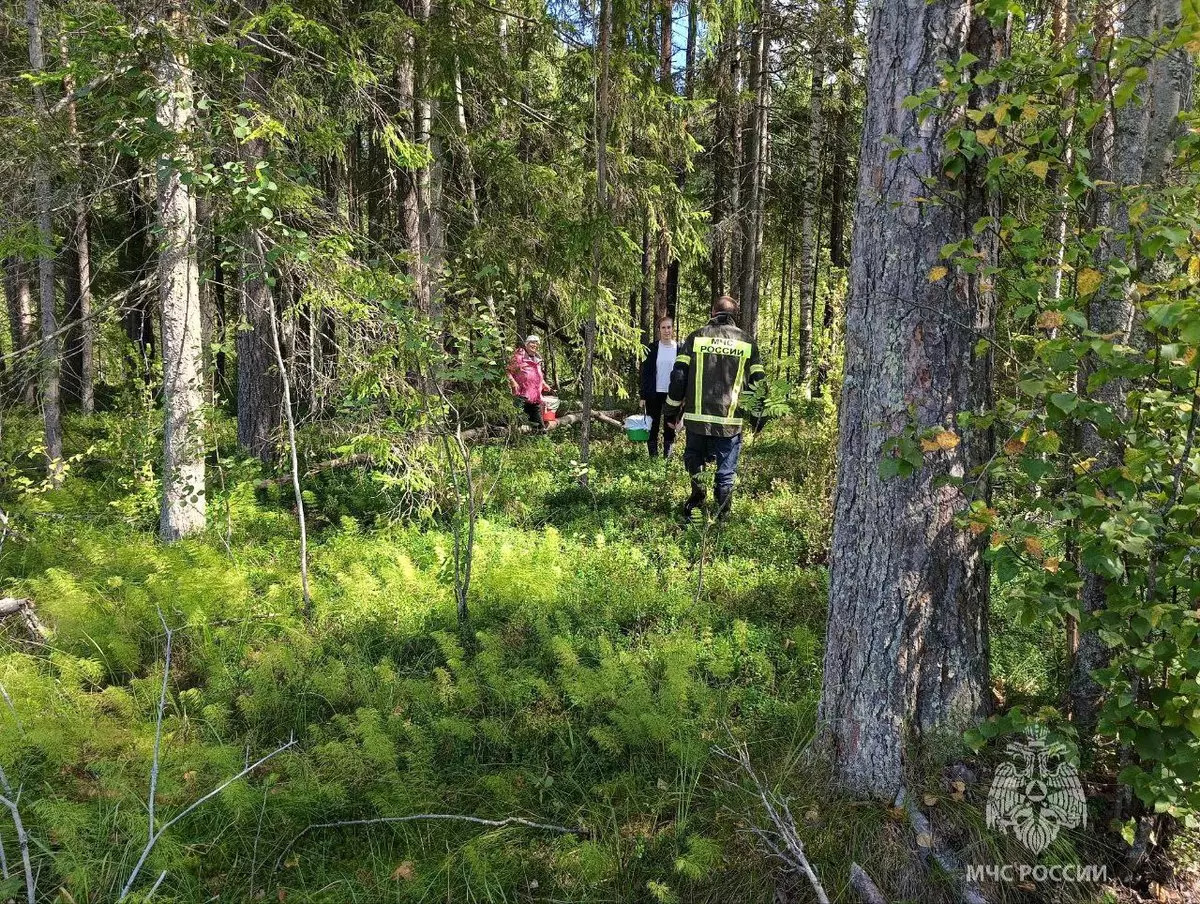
(548, 416)
(637, 428)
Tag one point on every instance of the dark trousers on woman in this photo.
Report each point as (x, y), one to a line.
(654, 408)
(533, 411)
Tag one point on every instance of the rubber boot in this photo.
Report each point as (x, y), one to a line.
(694, 501)
(724, 502)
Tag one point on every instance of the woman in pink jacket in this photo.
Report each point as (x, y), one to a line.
(528, 379)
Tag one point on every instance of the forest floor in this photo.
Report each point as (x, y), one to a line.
(615, 657)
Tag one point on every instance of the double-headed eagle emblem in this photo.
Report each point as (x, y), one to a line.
(1036, 794)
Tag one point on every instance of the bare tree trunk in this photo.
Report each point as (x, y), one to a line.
(733, 210)
(810, 201)
(907, 649)
(666, 81)
(410, 206)
(21, 325)
(839, 171)
(82, 257)
(468, 168)
(51, 362)
(722, 165)
(259, 381)
(600, 130)
(430, 178)
(755, 166)
(183, 503)
(1119, 146)
(1060, 26)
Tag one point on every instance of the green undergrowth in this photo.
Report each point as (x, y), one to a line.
(611, 657)
(595, 690)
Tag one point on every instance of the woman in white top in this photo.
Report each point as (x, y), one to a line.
(655, 381)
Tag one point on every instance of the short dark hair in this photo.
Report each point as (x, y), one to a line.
(726, 304)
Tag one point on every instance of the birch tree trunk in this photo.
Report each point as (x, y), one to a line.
(907, 648)
(430, 182)
(183, 501)
(21, 326)
(259, 382)
(410, 206)
(1060, 28)
(810, 201)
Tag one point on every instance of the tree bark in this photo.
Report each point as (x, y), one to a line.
(600, 139)
(1119, 154)
(907, 647)
(83, 333)
(430, 181)
(51, 361)
(666, 82)
(756, 130)
(839, 171)
(733, 208)
(259, 382)
(21, 326)
(183, 501)
(810, 201)
(410, 206)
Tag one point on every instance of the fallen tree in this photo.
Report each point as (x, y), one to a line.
(21, 612)
(475, 434)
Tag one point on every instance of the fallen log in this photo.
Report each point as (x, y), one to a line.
(933, 852)
(488, 431)
(22, 612)
(868, 892)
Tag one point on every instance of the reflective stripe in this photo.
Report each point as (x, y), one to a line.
(683, 359)
(737, 386)
(757, 369)
(712, 419)
(698, 385)
(672, 403)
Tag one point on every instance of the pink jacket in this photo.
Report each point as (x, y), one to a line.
(525, 375)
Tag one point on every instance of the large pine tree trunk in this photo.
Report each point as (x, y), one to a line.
(51, 360)
(259, 383)
(907, 650)
(183, 501)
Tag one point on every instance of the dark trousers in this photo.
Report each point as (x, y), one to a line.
(724, 452)
(533, 411)
(654, 408)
